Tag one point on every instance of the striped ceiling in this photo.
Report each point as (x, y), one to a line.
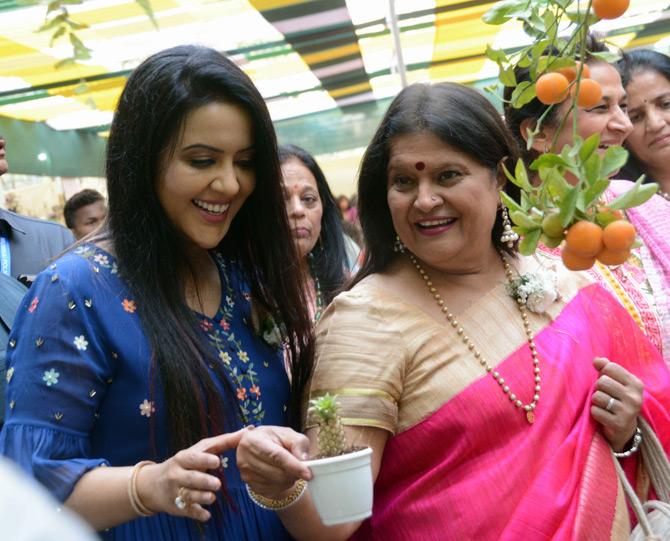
(305, 56)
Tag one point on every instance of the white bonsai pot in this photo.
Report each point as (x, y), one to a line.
(341, 487)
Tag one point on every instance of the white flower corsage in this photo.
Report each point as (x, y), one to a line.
(536, 290)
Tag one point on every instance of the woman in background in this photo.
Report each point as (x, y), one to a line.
(316, 226)
(646, 77)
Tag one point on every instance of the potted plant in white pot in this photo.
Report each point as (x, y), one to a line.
(341, 484)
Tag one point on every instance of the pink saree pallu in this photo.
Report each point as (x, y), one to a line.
(477, 469)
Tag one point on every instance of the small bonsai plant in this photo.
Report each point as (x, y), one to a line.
(324, 412)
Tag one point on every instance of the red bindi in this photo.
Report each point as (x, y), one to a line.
(420, 166)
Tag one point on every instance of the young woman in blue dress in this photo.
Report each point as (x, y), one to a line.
(137, 359)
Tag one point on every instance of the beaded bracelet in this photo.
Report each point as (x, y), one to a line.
(283, 503)
(135, 502)
(634, 448)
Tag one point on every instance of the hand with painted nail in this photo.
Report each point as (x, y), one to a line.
(616, 402)
(270, 459)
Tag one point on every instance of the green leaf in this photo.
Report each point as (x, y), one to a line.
(497, 55)
(523, 94)
(593, 192)
(589, 146)
(592, 169)
(503, 11)
(524, 220)
(528, 243)
(75, 25)
(552, 63)
(522, 176)
(53, 23)
(65, 62)
(568, 206)
(638, 194)
(555, 184)
(58, 33)
(615, 158)
(53, 6)
(510, 203)
(507, 76)
(548, 160)
(146, 6)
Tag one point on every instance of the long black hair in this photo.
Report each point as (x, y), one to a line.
(329, 256)
(461, 117)
(630, 64)
(152, 254)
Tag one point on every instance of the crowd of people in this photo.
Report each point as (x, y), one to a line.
(158, 367)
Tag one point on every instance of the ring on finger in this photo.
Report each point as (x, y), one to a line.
(610, 404)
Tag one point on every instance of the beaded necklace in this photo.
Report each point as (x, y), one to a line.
(528, 408)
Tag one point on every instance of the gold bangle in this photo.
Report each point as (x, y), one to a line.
(277, 505)
(135, 502)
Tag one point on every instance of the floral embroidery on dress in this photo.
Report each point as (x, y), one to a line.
(80, 342)
(101, 259)
(147, 408)
(129, 306)
(94, 255)
(10, 373)
(33, 305)
(244, 379)
(50, 377)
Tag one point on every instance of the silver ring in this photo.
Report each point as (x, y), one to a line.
(180, 503)
(610, 403)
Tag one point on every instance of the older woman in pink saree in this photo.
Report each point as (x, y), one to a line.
(492, 388)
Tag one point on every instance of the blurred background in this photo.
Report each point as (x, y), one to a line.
(327, 69)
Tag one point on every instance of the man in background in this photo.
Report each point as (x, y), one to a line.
(27, 245)
(84, 212)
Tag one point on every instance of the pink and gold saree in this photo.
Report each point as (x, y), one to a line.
(463, 463)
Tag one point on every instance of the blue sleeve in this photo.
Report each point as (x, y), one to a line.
(57, 372)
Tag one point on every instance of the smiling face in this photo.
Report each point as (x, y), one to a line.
(207, 179)
(608, 117)
(303, 204)
(442, 202)
(649, 111)
(4, 166)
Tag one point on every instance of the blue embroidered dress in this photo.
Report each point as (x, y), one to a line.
(79, 396)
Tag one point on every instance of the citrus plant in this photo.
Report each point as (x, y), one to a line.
(555, 211)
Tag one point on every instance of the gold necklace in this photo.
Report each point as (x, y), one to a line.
(528, 408)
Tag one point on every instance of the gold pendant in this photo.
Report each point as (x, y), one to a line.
(530, 416)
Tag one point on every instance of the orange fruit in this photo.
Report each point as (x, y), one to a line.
(570, 72)
(619, 235)
(590, 93)
(584, 239)
(610, 9)
(575, 262)
(612, 257)
(551, 88)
